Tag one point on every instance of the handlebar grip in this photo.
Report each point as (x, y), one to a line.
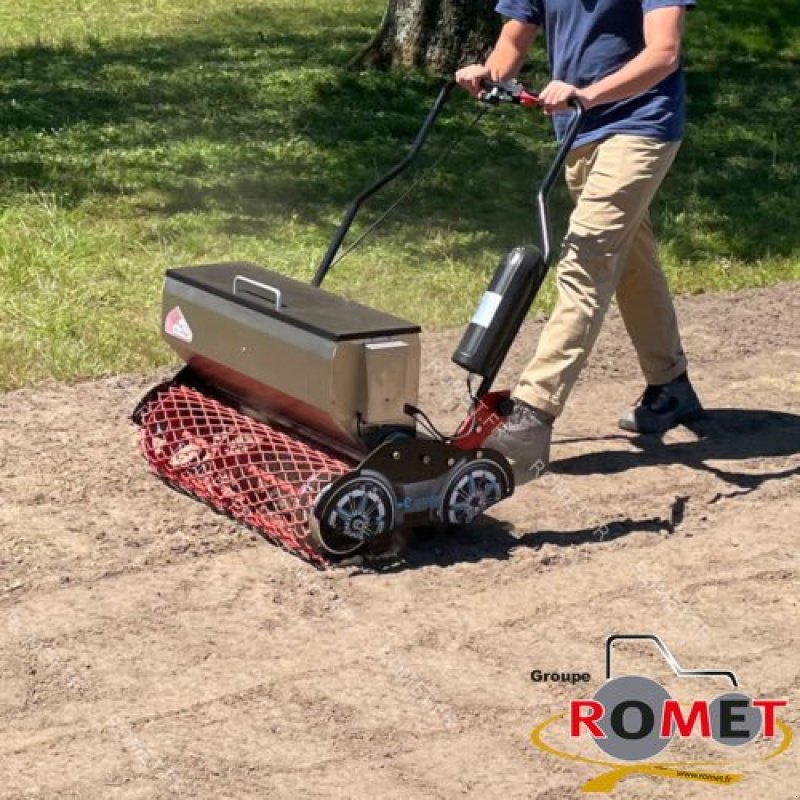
(496, 92)
(578, 112)
(576, 105)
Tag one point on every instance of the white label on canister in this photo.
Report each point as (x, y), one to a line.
(177, 326)
(489, 304)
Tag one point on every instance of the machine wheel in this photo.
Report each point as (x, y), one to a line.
(470, 491)
(360, 510)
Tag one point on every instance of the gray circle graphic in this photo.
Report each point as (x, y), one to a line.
(632, 720)
(734, 719)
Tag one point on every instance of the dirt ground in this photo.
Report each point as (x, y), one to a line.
(150, 648)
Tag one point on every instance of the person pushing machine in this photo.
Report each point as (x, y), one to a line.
(621, 59)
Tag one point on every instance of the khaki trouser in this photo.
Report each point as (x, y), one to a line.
(609, 248)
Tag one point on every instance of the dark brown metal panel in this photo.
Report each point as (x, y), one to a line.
(303, 306)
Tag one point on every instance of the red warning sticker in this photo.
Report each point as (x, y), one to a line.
(175, 325)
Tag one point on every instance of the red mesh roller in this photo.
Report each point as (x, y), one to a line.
(247, 469)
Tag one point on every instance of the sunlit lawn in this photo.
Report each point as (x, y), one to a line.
(138, 136)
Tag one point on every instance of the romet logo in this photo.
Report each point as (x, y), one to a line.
(633, 718)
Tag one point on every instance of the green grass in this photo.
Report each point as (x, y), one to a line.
(137, 136)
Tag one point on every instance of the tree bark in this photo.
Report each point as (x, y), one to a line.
(438, 35)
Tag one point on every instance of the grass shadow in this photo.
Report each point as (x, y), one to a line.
(134, 137)
(252, 114)
(736, 184)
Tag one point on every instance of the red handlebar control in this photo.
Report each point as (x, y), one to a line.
(496, 92)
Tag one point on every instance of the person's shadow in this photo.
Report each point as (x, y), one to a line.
(723, 434)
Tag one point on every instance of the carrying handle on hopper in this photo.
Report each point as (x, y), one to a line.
(350, 215)
(264, 287)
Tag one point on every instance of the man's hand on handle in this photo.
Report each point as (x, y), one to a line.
(553, 98)
(556, 95)
(471, 77)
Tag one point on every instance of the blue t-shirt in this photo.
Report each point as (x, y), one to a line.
(589, 39)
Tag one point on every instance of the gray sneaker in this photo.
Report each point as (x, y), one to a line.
(663, 407)
(524, 439)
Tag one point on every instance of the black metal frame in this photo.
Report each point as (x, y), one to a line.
(542, 194)
(547, 251)
(502, 92)
(350, 215)
(546, 186)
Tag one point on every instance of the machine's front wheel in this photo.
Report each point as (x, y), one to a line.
(355, 512)
(470, 491)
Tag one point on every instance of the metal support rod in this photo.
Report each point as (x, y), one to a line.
(543, 212)
(352, 211)
(543, 193)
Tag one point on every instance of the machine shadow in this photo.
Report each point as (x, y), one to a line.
(723, 434)
(494, 540)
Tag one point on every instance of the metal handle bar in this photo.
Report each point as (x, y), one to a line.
(512, 92)
(350, 215)
(543, 214)
(549, 179)
(258, 285)
(496, 92)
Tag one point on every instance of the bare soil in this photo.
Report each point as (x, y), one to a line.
(151, 648)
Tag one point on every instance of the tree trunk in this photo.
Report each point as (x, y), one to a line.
(438, 35)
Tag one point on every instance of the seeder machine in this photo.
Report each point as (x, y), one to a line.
(297, 413)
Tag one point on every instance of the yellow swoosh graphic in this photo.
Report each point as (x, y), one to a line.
(680, 770)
